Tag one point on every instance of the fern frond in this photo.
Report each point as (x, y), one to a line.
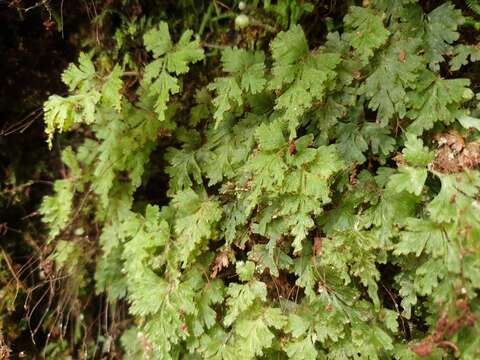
(473, 5)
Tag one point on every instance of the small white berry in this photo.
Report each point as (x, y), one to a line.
(242, 21)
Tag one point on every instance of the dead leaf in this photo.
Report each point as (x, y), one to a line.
(317, 246)
(453, 139)
(292, 148)
(353, 176)
(470, 156)
(221, 261)
(357, 75)
(48, 25)
(424, 348)
(454, 155)
(399, 160)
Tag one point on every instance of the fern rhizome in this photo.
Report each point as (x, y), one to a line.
(317, 201)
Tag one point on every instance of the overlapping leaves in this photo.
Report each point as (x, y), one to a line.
(305, 178)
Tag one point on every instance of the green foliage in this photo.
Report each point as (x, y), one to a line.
(440, 32)
(90, 89)
(246, 71)
(288, 12)
(306, 213)
(464, 54)
(169, 59)
(308, 75)
(397, 73)
(366, 31)
(57, 209)
(473, 5)
(439, 101)
(415, 153)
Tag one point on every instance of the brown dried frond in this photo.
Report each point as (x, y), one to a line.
(454, 155)
(4, 349)
(221, 261)
(445, 329)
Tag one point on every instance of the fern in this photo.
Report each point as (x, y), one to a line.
(473, 5)
(300, 181)
(169, 58)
